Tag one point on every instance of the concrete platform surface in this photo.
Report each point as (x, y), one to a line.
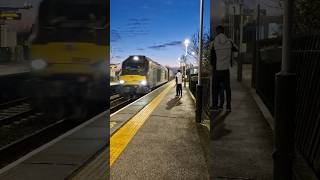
(120, 117)
(167, 146)
(241, 143)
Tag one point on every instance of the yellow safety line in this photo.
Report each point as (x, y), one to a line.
(120, 140)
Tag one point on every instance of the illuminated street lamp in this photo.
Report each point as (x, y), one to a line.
(186, 43)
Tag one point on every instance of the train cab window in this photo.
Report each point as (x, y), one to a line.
(87, 18)
(131, 67)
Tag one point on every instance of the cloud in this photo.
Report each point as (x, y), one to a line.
(164, 45)
(140, 49)
(135, 27)
(115, 35)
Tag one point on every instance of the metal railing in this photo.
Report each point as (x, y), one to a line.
(306, 55)
(206, 93)
(268, 64)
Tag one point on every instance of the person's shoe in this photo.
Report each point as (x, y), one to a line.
(228, 109)
(215, 109)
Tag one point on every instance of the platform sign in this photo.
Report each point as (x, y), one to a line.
(10, 15)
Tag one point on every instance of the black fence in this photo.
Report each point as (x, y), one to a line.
(306, 54)
(193, 80)
(268, 63)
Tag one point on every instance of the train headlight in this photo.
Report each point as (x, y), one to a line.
(122, 81)
(143, 83)
(38, 64)
(136, 58)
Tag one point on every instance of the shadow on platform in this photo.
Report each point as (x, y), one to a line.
(173, 102)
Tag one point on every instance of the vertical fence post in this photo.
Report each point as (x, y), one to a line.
(285, 104)
(240, 59)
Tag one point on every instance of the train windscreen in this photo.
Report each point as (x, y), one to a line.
(88, 19)
(131, 67)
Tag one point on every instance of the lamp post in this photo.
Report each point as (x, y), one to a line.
(285, 103)
(199, 86)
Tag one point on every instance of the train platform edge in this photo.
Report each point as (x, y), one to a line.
(163, 143)
(62, 156)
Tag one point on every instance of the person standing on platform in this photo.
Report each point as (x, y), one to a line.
(223, 50)
(178, 83)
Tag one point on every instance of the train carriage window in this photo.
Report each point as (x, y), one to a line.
(159, 75)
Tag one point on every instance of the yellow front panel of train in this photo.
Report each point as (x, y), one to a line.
(70, 57)
(132, 79)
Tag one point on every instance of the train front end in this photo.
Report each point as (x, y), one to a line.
(70, 57)
(134, 76)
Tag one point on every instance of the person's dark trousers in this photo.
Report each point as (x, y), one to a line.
(222, 77)
(179, 89)
(221, 95)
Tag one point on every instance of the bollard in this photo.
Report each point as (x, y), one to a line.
(284, 126)
(199, 104)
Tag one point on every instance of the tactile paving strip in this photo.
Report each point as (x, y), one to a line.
(123, 136)
(98, 168)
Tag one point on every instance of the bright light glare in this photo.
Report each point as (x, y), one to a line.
(121, 81)
(193, 53)
(144, 82)
(136, 58)
(38, 64)
(186, 42)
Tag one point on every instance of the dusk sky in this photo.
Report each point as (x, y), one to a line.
(155, 28)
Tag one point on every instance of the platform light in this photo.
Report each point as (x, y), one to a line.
(143, 83)
(38, 64)
(136, 58)
(122, 82)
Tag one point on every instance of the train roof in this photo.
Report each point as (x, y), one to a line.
(146, 58)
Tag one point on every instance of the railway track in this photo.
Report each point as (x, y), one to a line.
(15, 111)
(20, 124)
(117, 102)
(22, 129)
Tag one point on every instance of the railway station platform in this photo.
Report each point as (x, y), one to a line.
(14, 68)
(156, 137)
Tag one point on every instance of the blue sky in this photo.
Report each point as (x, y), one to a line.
(155, 28)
